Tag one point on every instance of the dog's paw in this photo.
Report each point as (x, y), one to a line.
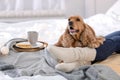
(94, 45)
(78, 44)
(101, 39)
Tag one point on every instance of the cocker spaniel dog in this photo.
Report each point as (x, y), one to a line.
(79, 34)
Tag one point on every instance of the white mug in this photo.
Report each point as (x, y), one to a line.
(32, 37)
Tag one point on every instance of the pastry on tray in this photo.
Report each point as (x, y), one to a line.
(23, 45)
(26, 46)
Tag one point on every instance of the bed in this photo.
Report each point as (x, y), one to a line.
(49, 31)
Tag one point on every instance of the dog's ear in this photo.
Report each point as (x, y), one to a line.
(87, 35)
(88, 30)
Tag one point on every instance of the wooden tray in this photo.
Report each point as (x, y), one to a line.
(30, 49)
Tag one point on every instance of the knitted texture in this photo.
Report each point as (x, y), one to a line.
(71, 58)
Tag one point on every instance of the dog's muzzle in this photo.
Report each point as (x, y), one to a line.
(71, 29)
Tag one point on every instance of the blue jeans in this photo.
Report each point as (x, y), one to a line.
(110, 45)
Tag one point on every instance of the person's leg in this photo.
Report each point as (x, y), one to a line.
(71, 58)
(112, 36)
(109, 46)
(105, 50)
(112, 44)
(72, 54)
(115, 36)
(117, 40)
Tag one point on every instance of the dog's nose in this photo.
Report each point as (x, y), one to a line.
(70, 23)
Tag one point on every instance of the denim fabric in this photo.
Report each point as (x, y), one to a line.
(110, 45)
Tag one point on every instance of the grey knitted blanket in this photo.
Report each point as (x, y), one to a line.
(9, 69)
(41, 63)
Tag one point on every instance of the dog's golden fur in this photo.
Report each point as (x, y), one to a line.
(79, 34)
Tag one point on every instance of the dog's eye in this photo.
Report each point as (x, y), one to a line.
(68, 19)
(77, 19)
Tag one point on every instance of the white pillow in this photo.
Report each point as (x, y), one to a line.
(114, 11)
